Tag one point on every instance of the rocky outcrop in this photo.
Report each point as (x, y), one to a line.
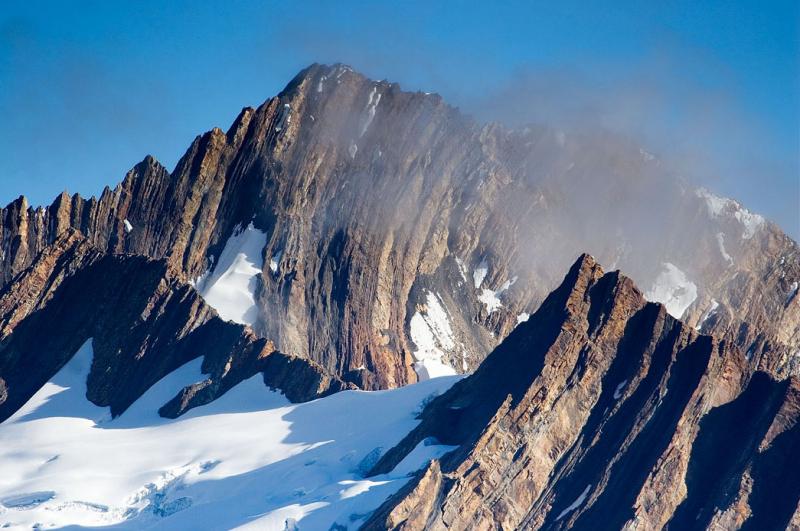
(604, 412)
(400, 231)
(144, 320)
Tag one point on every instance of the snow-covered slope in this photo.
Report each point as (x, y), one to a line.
(673, 289)
(231, 287)
(431, 332)
(250, 459)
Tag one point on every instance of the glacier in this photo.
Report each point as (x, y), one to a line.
(250, 459)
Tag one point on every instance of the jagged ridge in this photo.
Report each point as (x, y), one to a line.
(602, 411)
(375, 199)
(145, 322)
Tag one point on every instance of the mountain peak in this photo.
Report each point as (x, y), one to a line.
(587, 306)
(403, 188)
(356, 234)
(580, 416)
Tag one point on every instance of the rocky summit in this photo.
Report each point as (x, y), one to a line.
(401, 239)
(192, 349)
(604, 412)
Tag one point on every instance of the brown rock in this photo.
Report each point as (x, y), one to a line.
(604, 411)
(144, 322)
(373, 203)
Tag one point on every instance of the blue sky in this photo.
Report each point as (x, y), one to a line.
(87, 89)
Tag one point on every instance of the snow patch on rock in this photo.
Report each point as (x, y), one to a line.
(673, 289)
(462, 268)
(341, 70)
(707, 314)
(721, 245)
(432, 334)
(722, 206)
(230, 288)
(372, 105)
(480, 273)
(491, 298)
(285, 117)
(275, 261)
(574, 505)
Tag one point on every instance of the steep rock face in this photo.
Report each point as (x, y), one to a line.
(144, 322)
(603, 411)
(402, 234)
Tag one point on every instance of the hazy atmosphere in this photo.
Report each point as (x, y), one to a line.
(712, 88)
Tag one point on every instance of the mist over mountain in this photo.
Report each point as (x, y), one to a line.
(376, 203)
(710, 90)
(347, 235)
